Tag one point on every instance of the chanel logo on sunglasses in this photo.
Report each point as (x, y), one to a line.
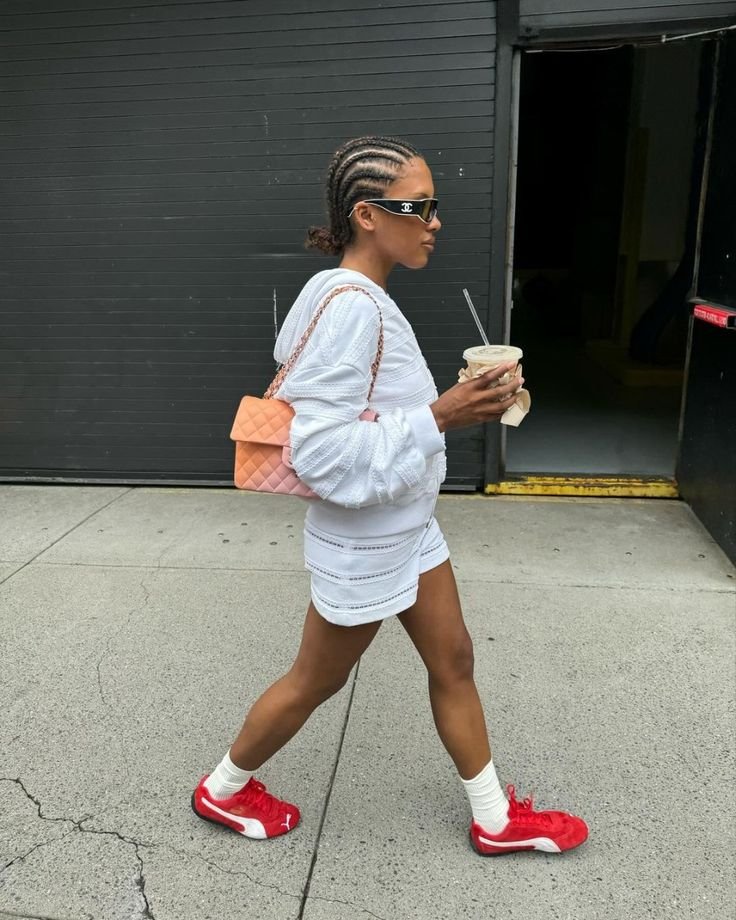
(423, 208)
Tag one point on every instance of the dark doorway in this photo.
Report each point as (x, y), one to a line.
(604, 202)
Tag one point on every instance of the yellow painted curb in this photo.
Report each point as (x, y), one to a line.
(600, 486)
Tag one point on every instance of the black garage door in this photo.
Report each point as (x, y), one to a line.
(159, 163)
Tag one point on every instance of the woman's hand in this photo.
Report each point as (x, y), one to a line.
(477, 400)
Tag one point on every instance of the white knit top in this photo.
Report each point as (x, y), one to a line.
(373, 478)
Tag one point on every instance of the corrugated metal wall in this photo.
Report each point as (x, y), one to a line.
(542, 15)
(159, 162)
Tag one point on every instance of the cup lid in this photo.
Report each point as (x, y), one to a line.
(492, 354)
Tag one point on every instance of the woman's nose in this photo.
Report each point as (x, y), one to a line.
(435, 224)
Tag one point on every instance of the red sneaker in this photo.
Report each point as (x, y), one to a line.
(252, 812)
(548, 831)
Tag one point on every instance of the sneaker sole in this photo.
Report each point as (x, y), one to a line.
(221, 823)
(504, 851)
(234, 829)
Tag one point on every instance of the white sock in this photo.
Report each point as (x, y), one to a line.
(489, 804)
(226, 779)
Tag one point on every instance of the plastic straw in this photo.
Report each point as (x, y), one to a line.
(476, 318)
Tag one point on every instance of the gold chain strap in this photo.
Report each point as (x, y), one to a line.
(294, 357)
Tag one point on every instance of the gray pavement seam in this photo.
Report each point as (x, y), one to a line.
(65, 534)
(605, 586)
(171, 568)
(287, 894)
(330, 786)
(9, 915)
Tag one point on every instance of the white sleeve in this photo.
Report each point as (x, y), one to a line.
(343, 459)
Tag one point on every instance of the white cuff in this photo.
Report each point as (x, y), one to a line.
(426, 433)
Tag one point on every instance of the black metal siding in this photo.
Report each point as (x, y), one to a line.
(539, 16)
(159, 163)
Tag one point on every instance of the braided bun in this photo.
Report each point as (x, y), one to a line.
(322, 239)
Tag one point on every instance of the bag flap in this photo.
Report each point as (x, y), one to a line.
(262, 421)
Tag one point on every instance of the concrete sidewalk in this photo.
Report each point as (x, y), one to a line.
(136, 625)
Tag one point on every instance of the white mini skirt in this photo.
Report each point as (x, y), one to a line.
(362, 580)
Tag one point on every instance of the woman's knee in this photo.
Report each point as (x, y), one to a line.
(455, 663)
(316, 688)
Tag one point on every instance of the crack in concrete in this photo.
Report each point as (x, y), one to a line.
(21, 856)
(106, 652)
(213, 865)
(146, 593)
(140, 881)
(141, 885)
(165, 550)
(314, 897)
(19, 782)
(37, 846)
(108, 642)
(250, 878)
(99, 678)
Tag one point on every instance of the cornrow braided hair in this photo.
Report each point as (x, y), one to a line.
(361, 168)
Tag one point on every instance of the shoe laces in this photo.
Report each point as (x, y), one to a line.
(523, 811)
(258, 796)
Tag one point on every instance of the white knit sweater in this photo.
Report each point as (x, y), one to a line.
(373, 478)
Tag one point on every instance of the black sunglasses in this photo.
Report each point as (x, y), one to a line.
(423, 208)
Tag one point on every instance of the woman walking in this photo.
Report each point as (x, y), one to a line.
(372, 544)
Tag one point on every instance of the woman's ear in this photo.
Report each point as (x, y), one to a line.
(364, 217)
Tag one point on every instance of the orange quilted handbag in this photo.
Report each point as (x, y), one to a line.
(262, 426)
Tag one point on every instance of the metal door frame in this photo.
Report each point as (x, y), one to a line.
(510, 46)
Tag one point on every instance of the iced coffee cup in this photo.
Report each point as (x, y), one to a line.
(483, 358)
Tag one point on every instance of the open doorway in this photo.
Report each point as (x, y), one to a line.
(606, 203)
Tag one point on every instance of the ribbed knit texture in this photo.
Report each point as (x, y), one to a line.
(487, 800)
(226, 779)
(397, 462)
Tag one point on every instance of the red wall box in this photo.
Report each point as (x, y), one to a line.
(717, 316)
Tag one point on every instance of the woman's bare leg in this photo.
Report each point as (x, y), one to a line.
(322, 666)
(435, 625)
